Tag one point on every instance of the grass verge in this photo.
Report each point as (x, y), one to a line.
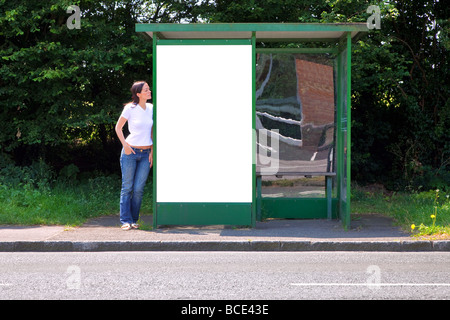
(424, 214)
(63, 202)
(72, 202)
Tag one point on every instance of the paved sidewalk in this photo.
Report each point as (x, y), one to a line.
(367, 233)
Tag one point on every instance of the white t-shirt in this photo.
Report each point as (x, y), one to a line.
(140, 124)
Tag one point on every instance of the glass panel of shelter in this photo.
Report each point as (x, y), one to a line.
(343, 101)
(295, 123)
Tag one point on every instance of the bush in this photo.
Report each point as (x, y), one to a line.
(38, 174)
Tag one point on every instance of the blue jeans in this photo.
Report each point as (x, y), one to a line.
(135, 169)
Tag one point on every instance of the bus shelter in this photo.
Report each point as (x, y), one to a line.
(246, 130)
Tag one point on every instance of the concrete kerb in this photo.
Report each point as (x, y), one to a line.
(248, 245)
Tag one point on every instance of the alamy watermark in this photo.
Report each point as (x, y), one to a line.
(74, 21)
(374, 279)
(73, 281)
(374, 21)
(268, 156)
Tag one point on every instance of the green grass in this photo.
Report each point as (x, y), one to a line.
(428, 212)
(63, 202)
(72, 202)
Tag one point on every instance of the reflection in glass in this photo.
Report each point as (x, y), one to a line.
(295, 94)
(293, 187)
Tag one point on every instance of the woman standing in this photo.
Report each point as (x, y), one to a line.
(136, 157)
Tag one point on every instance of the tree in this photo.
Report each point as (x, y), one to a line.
(400, 93)
(61, 88)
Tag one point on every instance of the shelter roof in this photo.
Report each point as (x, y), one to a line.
(263, 31)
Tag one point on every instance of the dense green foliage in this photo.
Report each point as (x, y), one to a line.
(61, 90)
(400, 98)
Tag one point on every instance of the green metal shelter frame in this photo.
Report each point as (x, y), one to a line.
(338, 38)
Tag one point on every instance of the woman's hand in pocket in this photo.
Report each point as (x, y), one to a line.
(128, 150)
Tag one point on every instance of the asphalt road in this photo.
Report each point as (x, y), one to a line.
(225, 275)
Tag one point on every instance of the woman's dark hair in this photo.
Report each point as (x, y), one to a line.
(135, 89)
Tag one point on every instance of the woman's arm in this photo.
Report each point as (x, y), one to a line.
(119, 126)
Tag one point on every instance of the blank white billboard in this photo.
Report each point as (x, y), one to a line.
(204, 123)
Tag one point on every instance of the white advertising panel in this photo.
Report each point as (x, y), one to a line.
(204, 123)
